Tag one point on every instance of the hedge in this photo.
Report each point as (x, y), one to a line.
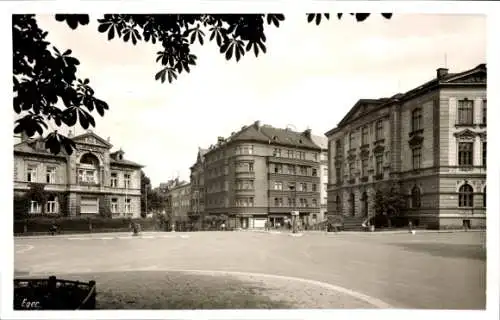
(82, 224)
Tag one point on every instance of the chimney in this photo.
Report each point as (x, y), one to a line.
(441, 72)
(256, 124)
(307, 133)
(70, 134)
(220, 140)
(108, 139)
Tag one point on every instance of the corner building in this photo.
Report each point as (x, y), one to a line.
(262, 173)
(91, 181)
(429, 144)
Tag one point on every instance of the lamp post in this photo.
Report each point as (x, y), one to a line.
(294, 212)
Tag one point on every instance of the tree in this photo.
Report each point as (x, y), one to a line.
(388, 203)
(44, 76)
(145, 193)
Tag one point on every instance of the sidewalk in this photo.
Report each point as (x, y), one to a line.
(91, 235)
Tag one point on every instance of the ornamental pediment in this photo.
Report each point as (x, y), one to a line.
(466, 134)
(476, 77)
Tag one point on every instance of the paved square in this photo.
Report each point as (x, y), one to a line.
(426, 270)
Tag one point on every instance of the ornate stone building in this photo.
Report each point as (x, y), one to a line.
(262, 173)
(91, 181)
(429, 144)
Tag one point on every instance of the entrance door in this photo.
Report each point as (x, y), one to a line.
(244, 223)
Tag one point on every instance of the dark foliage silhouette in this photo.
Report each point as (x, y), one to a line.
(45, 75)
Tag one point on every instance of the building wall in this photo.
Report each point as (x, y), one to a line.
(439, 176)
(66, 179)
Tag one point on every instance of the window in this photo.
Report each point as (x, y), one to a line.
(314, 202)
(35, 207)
(114, 180)
(465, 150)
(114, 205)
(364, 167)
(31, 174)
(338, 174)
(126, 180)
(484, 197)
(416, 155)
(353, 205)
(291, 202)
(314, 187)
(291, 186)
(416, 119)
(484, 154)
(127, 206)
(315, 156)
(379, 131)
(278, 185)
(278, 168)
(465, 196)
(250, 166)
(87, 176)
(51, 205)
(290, 169)
(303, 170)
(338, 148)
(338, 205)
(250, 202)
(290, 154)
(50, 176)
(364, 135)
(379, 164)
(277, 152)
(485, 113)
(314, 172)
(415, 197)
(351, 169)
(351, 140)
(278, 202)
(325, 172)
(303, 187)
(465, 112)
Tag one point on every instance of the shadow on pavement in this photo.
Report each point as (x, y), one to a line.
(467, 251)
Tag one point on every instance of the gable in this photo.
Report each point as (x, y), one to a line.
(465, 134)
(92, 139)
(361, 107)
(477, 76)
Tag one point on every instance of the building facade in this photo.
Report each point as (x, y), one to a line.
(90, 181)
(428, 144)
(197, 180)
(322, 142)
(262, 173)
(180, 200)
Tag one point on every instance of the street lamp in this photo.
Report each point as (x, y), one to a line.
(294, 212)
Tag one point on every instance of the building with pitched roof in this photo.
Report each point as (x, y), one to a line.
(428, 144)
(197, 181)
(90, 181)
(262, 173)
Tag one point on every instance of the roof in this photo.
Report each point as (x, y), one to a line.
(270, 135)
(124, 162)
(474, 76)
(321, 141)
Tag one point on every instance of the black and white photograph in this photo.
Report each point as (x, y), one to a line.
(223, 165)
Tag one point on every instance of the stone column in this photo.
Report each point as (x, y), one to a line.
(478, 157)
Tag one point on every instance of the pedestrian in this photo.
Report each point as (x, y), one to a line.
(223, 226)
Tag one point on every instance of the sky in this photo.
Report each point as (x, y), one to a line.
(309, 78)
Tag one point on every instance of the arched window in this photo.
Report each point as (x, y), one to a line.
(353, 208)
(415, 197)
(465, 196)
(89, 158)
(484, 197)
(364, 200)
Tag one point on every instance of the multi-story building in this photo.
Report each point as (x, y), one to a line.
(90, 181)
(262, 173)
(180, 200)
(429, 144)
(322, 142)
(197, 181)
